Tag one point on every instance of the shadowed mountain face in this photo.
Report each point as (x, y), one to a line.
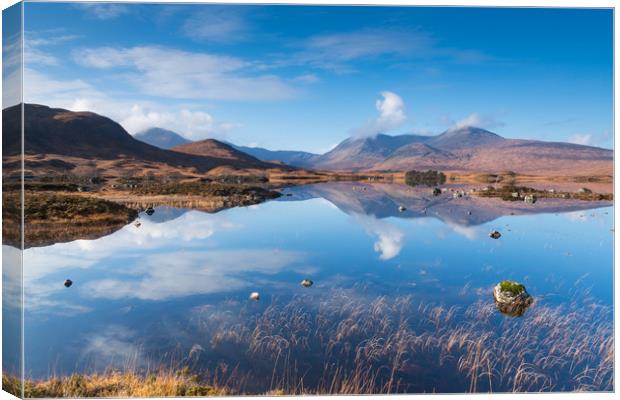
(466, 149)
(384, 200)
(215, 148)
(87, 135)
(162, 138)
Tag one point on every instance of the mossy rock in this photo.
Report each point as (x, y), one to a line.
(511, 298)
(511, 287)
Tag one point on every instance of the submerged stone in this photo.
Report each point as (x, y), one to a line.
(495, 235)
(511, 298)
(68, 283)
(307, 283)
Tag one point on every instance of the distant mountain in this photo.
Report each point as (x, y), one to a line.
(162, 138)
(86, 135)
(360, 153)
(466, 149)
(289, 157)
(215, 148)
(466, 137)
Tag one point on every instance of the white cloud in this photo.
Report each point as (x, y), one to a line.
(474, 120)
(391, 115)
(216, 24)
(134, 116)
(184, 273)
(159, 71)
(582, 138)
(390, 238)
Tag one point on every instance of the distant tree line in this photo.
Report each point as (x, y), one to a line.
(428, 178)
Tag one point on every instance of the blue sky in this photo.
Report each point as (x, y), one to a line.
(305, 78)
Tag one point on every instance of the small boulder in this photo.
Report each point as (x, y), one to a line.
(584, 190)
(511, 298)
(306, 283)
(149, 211)
(495, 235)
(529, 199)
(68, 283)
(255, 296)
(402, 208)
(436, 192)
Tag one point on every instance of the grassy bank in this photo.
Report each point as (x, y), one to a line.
(113, 384)
(52, 217)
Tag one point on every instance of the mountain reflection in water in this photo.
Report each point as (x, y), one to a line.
(401, 301)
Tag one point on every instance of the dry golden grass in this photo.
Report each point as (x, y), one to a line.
(348, 343)
(114, 384)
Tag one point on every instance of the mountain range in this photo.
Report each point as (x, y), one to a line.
(75, 136)
(162, 138)
(463, 149)
(87, 135)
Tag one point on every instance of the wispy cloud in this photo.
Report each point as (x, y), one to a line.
(339, 52)
(217, 24)
(391, 116)
(582, 138)
(160, 71)
(104, 11)
(307, 78)
(486, 121)
(37, 47)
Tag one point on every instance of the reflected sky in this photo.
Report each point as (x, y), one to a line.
(136, 291)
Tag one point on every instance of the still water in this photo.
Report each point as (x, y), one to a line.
(399, 303)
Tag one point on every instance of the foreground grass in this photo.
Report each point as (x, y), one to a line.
(345, 342)
(114, 384)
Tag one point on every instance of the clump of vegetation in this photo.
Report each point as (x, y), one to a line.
(54, 217)
(203, 189)
(113, 384)
(511, 287)
(517, 193)
(428, 178)
(51, 206)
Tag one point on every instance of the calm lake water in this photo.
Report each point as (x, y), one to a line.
(174, 292)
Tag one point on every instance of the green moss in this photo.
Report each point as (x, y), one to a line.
(511, 287)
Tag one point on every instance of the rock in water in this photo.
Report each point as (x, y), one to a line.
(149, 211)
(402, 208)
(255, 296)
(307, 283)
(436, 192)
(68, 283)
(495, 235)
(529, 199)
(511, 298)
